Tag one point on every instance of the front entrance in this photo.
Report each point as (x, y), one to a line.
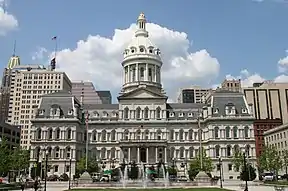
(143, 155)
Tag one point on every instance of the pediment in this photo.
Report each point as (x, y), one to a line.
(142, 93)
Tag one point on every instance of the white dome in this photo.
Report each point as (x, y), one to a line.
(141, 44)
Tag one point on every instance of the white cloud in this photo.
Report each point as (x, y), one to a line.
(99, 59)
(283, 64)
(248, 79)
(40, 54)
(8, 22)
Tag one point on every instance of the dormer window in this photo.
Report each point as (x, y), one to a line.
(96, 114)
(133, 49)
(41, 111)
(115, 114)
(181, 114)
(244, 110)
(70, 112)
(171, 114)
(216, 111)
(190, 114)
(105, 114)
(150, 51)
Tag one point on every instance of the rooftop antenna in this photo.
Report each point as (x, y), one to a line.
(14, 48)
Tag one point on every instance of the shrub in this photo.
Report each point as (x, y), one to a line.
(64, 177)
(52, 178)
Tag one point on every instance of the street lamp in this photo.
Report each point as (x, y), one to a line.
(245, 171)
(46, 169)
(103, 165)
(70, 173)
(220, 171)
(112, 161)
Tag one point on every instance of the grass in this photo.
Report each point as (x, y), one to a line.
(280, 183)
(155, 189)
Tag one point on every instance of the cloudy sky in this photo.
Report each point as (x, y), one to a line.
(202, 41)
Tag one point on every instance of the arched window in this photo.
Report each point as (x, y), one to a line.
(171, 135)
(172, 151)
(146, 113)
(190, 134)
(126, 113)
(50, 133)
(113, 153)
(103, 153)
(68, 152)
(141, 73)
(138, 134)
(246, 132)
(227, 132)
(181, 135)
(159, 135)
(38, 133)
(235, 132)
(37, 152)
(217, 151)
(247, 150)
(158, 113)
(182, 152)
(103, 135)
(191, 150)
(69, 133)
(113, 135)
(94, 134)
(138, 113)
(228, 151)
(57, 152)
(216, 132)
(146, 134)
(126, 135)
(57, 134)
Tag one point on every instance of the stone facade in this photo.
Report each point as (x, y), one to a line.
(143, 127)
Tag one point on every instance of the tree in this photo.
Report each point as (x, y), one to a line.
(195, 165)
(4, 159)
(81, 166)
(270, 159)
(19, 159)
(285, 161)
(238, 160)
(248, 174)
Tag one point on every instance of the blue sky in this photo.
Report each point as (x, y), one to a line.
(240, 34)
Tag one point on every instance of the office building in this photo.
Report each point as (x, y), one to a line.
(269, 103)
(27, 83)
(192, 95)
(231, 85)
(11, 134)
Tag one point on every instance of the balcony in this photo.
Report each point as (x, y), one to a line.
(143, 142)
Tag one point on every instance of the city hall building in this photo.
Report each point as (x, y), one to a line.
(143, 127)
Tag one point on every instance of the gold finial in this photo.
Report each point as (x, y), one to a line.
(141, 16)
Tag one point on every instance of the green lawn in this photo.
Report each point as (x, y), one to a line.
(155, 189)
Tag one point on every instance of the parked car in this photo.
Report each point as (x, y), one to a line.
(269, 176)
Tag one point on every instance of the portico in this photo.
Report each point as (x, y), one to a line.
(144, 151)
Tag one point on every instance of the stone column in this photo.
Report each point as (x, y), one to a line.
(137, 72)
(156, 154)
(146, 73)
(138, 155)
(129, 75)
(165, 155)
(129, 153)
(147, 155)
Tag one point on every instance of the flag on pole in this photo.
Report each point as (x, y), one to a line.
(54, 37)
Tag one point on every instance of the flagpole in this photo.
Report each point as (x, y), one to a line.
(86, 121)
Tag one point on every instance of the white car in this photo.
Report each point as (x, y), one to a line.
(268, 176)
